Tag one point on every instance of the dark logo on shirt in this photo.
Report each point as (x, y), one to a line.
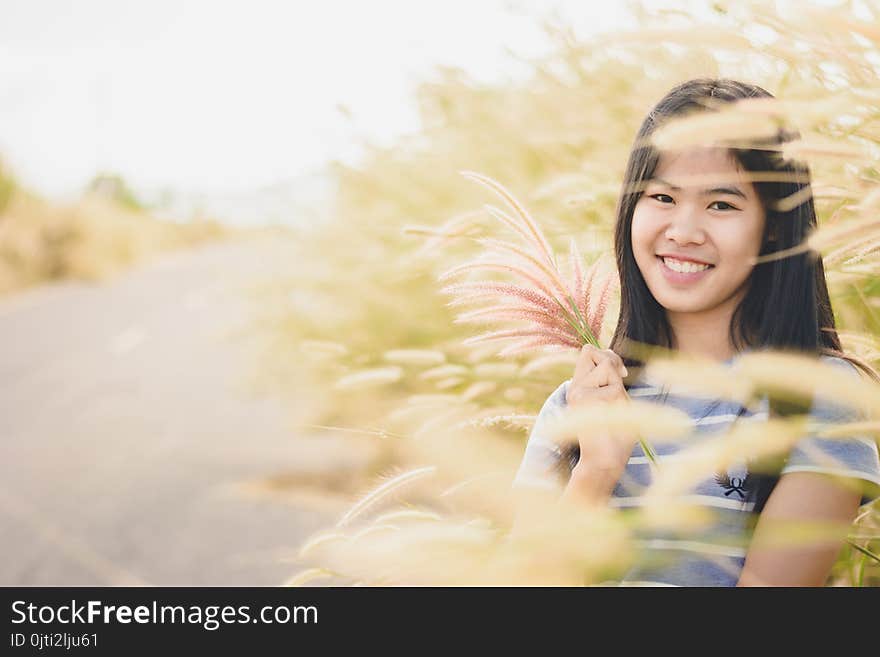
(733, 484)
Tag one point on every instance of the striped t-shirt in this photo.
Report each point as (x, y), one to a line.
(715, 555)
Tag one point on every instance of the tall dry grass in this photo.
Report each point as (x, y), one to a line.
(363, 340)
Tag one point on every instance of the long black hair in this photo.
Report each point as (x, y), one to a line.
(786, 307)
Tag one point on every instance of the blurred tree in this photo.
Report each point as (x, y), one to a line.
(7, 186)
(113, 187)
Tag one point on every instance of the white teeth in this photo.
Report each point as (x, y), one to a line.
(683, 266)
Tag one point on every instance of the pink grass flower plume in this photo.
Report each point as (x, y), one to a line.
(557, 310)
(554, 309)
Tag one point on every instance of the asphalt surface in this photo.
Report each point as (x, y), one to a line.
(132, 448)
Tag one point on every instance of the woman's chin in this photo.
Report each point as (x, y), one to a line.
(682, 305)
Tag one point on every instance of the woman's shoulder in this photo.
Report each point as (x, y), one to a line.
(854, 456)
(831, 359)
(857, 367)
(838, 361)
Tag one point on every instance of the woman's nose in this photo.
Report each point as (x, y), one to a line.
(685, 227)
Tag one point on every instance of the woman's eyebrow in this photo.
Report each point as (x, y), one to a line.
(733, 191)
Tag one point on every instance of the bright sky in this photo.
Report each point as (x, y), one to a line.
(216, 95)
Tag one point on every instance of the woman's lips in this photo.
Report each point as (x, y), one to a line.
(682, 278)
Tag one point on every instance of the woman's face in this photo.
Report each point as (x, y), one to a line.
(697, 206)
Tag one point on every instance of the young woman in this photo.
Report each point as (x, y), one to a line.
(689, 225)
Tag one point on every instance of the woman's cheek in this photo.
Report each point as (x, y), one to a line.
(641, 239)
(748, 246)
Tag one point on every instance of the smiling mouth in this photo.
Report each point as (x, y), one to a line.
(684, 266)
(689, 275)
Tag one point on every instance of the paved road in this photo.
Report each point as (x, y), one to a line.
(128, 442)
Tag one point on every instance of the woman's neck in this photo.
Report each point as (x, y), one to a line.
(703, 335)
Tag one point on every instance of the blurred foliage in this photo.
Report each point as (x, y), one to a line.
(366, 283)
(114, 188)
(7, 186)
(90, 239)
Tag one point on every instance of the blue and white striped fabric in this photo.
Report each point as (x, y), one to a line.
(714, 556)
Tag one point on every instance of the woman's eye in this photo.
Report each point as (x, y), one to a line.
(662, 198)
(726, 206)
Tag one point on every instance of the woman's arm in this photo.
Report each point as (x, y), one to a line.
(588, 485)
(800, 497)
(591, 484)
(598, 378)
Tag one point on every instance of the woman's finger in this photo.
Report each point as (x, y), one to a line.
(612, 391)
(604, 374)
(590, 357)
(587, 395)
(617, 360)
(602, 355)
(586, 362)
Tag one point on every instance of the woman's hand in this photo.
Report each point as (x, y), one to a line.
(598, 378)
